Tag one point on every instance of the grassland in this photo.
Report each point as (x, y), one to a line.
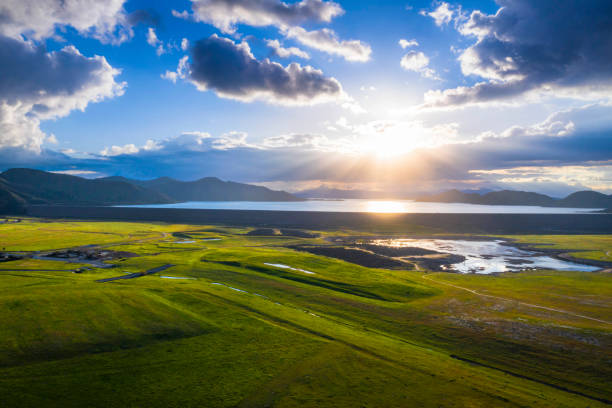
(243, 333)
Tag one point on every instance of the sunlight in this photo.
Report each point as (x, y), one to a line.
(384, 206)
(390, 138)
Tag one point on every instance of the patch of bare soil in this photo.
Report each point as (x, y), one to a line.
(90, 254)
(355, 255)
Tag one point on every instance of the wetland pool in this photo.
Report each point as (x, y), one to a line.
(486, 257)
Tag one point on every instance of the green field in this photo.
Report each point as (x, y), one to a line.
(240, 333)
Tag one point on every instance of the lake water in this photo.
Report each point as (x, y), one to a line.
(373, 206)
(488, 256)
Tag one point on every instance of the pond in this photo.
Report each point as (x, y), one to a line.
(485, 256)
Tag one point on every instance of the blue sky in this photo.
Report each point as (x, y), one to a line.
(479, 94)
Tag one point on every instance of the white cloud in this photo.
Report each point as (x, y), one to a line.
(155, 42)
(296, 140)
(192, 141)
(408, 43)
(418, 62)
(152, 39)
(184, 44)
(104, 20)
(119, 150)
(594, 176)
(327, 41)
(286, 52)
(225, 14)
(181, 70)
(442, 14)
(76, 172)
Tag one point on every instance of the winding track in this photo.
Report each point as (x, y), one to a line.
(551, 309)
(137, 274)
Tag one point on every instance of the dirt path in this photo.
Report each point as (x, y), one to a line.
(137, 274)
(551, 309)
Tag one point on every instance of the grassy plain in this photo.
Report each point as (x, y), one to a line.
(243, 333)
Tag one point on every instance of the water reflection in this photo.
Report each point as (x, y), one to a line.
(385, 207)
(487, 256)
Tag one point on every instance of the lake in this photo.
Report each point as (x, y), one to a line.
(372, 206)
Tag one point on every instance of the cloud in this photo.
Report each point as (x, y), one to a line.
(155, 42)
(551, 156)
(231, 71)
(184, 44)
(527, 47)
(282, 52)
(595, 176)
(144, 16)
(104, 20)
(181, 72)
(408, 43)
(225, 14)
(38, 85)
(442, 15)
(303, 140)
(152, 39)
(418, 62)
(119, 150)
(327, 41)
(82, 173)
(185, 142)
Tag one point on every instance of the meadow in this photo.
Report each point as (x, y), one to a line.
(235, 329)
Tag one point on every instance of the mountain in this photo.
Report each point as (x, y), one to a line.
(580, 199)
(22, 187)
(337, 193)
(209, 189)
(591, 199)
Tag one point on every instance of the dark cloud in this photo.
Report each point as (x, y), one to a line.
(37, 85)
(148, 17)
(232, 71)
(28, 71)
(530, 45)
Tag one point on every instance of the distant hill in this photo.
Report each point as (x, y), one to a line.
(22, 187)
(209, 189)
(580, 199)
(591, 199)
(337, 193)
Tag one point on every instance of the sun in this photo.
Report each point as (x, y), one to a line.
(388, 139)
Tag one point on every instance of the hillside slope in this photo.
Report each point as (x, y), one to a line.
(580, 199)
(210, 189)
(21, 187)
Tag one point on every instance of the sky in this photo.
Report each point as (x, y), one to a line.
(397, 96)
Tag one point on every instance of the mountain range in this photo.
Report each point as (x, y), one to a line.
(329, 193)
(20, 188)
(579, 199)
